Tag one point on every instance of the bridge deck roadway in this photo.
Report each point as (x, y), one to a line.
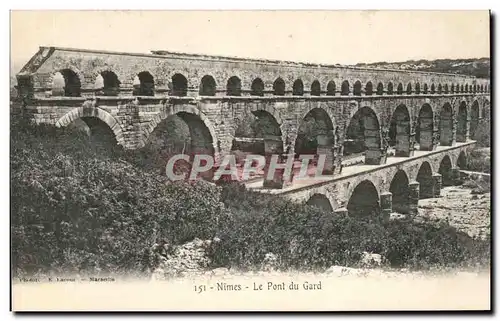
(347, 172)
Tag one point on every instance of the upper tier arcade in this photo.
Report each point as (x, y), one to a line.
(101, 73)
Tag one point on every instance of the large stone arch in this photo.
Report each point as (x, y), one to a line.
(355, 107)
(400, 192)
(87, 110)
(425, 127)
(328, 111)
(317, 134)
(187, 109)
(263, 134)
(399, 131)
(445, 169)
(424, 178)
(268, 108)
(363, 200)
(363, 133)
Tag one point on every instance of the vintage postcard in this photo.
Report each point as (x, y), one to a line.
(250, 160)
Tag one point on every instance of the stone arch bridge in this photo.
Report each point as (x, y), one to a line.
(381, 130)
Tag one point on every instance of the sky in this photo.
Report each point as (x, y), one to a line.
(344, 37)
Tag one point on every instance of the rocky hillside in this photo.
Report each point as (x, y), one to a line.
(478, 67)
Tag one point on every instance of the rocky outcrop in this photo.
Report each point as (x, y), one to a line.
(179, 260)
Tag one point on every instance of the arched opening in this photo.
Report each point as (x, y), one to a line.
(482, 88)
(380, 88)
(99, 133)
(369, 89)
(462, 122)
(462, 161)
(357, 88)
(208, 86)
(279, 87)
(320, 201)
(474, 119)
(144, 84)
(315, 88)
(315, 130)
(107, 84)
(433, 89)
(452, 89)
(233, 87)
(446, 89)
(400, 89)
(298, 88)
(445, 171)
(330, 88)
(457, 88)
(466, 88)
(363, 134)
(364, 200)
(345, 90)
(390, 88)
(408, 89)
(446, 125)
(179, 85)
(417, 88)
(400, 193)
(426, 89)
(257, 87)
(462, 89)
(182, 133)
(440, 89)
(252, 129)
(399, 131)
(66, 83)
(425, 128)
(474, 88)
(424, 177)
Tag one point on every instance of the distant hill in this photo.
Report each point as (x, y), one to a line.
(478, 67)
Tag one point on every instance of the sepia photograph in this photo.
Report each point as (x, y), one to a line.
(270, 160)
